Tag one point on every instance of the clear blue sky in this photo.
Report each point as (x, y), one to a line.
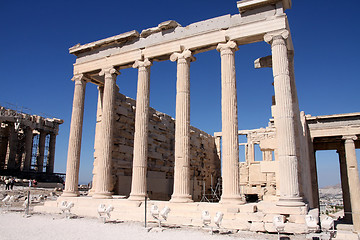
(36, 67)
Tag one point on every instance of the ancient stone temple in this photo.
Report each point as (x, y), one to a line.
(141, 153)
(27, 143)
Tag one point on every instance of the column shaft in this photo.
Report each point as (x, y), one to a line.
(103, 174)
(74, 149)
(12, 148)
(4, 139)
(267, 155)
(28, 148)
(218, 146)
(250, 152)
(345, 185)
(286, 130)
(182, 128)
(138, 182)
(97, 142)
(51, 154)
(229, 113)
(41, 151)
(353, 178)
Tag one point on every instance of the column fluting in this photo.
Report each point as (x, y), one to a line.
(138, 182)
(229, 116)
(104, 174)
(97, 142)
(285, 121)
(353, 180)
(182, 128)
(74, 149)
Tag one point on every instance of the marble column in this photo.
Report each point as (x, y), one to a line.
(250, 152)
(4, 139)
(218, 146)
(103, 173)
(301, 139)
(267, 154)
(182, 128)
(285, 121)
(353, 178)
(138, 182)
(11, 148)
(28, 148)
(230, 140)
(74, 149)
(344, 184)
(41, 151)
(97, 142)
(51, 154)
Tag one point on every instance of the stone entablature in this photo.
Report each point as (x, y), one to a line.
(204, 164)
(27, 120)
(334, 125)
(169, 37)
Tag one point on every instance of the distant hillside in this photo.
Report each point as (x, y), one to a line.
(331, 191)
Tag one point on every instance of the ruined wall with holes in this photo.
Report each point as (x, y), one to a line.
(205, 163)
(259, 177)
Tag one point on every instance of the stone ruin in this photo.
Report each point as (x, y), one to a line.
(141, 153)
(27, 144)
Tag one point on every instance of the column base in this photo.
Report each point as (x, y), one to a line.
(70, 194)
(102, 195)
(231, 200)
(290, 202)
(137, 197)
(91, 193)
(181, 199)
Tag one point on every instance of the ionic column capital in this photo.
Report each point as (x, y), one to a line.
(271, 36)
(227, 47)
(142, 64)
(185, 55)
(79, 79)
(349, 138)
(110, 71)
